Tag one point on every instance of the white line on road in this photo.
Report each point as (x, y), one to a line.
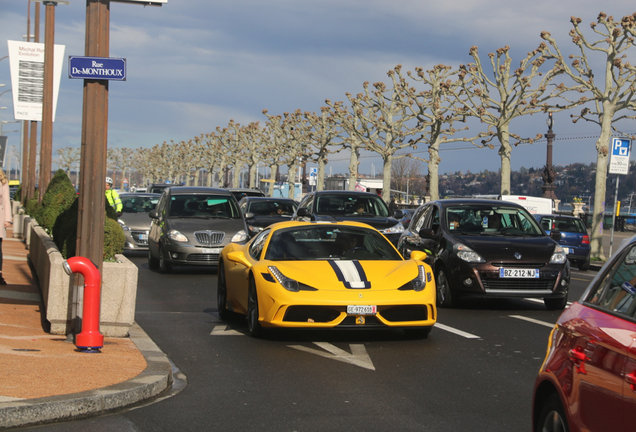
(220, 330)
(358, 356)
(457, 332)
(532, 320)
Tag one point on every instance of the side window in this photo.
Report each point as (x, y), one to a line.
(306, 202)
(433, 220)
(259, 242)
(418, 220)
(617, 290)
(243, 208)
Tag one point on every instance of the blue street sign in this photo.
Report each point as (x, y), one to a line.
(97, 68)
(619, 157)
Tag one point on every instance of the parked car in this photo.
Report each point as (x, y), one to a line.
(134, 218)
(158, 187)
(240, 193)
(340, 205)
(261, 212)
(325, 276)
(588, 379)
(488, 248)
(574, 237)
(191, 225)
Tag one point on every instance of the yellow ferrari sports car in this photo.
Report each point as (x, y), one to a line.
(325, 275)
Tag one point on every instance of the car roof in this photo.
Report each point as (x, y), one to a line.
(262, 198)
(345, 192)
(556, 215)
(198, 190)
(473, 201)
(139, 194)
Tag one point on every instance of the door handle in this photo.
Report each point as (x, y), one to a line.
(631, 380)
(579, 358)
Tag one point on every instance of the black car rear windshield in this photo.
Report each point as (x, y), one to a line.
(204, 206)
(491, 220)
(271, 207)
(351, 205)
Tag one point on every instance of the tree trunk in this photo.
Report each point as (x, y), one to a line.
(291, 179)
(386, 178)
(602, 154)
(433, 170)
(353, 167)
(236, 178)
(505, 153)
(273, 170)
(320, 178)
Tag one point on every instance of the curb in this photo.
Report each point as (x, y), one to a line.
(152, 382)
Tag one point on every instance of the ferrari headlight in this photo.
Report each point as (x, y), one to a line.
(394, 229)
(122, 224)
(467, 254)
(558, 256)
(177, 236)
(419, 283)
(287, 283)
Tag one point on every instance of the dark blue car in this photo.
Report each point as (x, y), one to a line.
(574, 237)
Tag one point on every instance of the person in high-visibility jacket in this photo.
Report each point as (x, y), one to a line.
(113, 197)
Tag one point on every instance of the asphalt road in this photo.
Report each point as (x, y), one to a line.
(475, 372)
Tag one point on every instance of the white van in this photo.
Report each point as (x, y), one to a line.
(534, 205)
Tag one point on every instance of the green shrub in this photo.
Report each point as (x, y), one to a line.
(65, 233)
(59, 196)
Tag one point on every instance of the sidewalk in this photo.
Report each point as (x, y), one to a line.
(44, 378)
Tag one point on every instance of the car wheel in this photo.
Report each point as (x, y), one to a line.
(445, 298)
(418, 333)
(552, 417)
(253, 326)
(221, 293)
(153, 262)
(584, 266)
(556, 303)
(164, 266)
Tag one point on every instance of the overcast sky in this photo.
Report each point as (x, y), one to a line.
(193, 65)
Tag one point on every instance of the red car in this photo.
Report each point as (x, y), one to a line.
(588, 379)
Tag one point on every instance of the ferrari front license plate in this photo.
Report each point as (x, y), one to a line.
(361, 310)
(518, 273)
(211, 251)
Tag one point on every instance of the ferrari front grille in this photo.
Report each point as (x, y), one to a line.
(405, 313)
(319, 314)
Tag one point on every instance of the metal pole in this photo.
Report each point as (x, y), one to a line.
(614, 216)
(33, 134)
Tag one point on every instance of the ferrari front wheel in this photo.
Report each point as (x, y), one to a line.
(253, 326)
(221, 293)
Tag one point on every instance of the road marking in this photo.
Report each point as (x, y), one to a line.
(457, 332)
(532, 320)
(220, 330)
(357, 357)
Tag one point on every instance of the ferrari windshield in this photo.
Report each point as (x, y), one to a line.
(327, 241)
(491, 220)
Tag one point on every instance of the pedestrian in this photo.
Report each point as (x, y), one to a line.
(113, 197)
(393, 207)
(5, 215)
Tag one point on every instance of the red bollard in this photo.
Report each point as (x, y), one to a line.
(89, 339)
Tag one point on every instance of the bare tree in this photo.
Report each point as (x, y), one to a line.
(68, 158)
(405, 173)
(509, 94)
(438, 111)
(386, 116)
(351, 125)
(324, 131)
(614, 92)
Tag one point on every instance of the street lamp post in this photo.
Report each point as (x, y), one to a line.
(548, 171)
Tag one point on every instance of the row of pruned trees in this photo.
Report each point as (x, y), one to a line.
(426, 108)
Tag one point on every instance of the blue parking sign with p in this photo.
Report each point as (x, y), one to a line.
(620, 147)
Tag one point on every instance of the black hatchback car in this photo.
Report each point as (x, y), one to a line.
(488, 248)
(354, 206)
(261, 212)
(191, 225)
